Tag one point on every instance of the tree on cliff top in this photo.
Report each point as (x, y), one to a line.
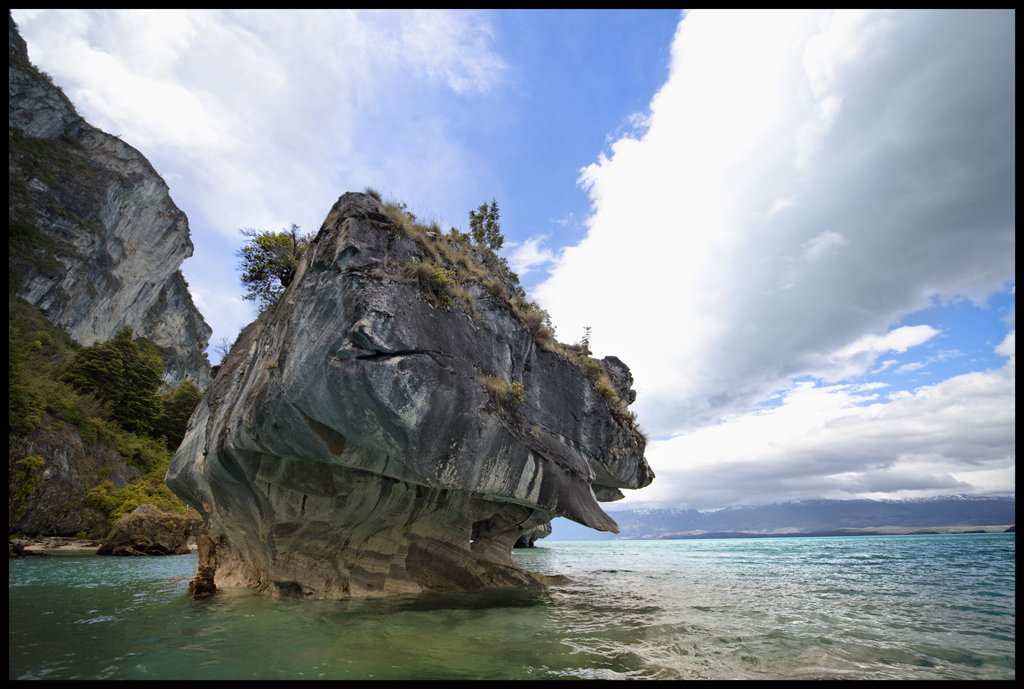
(485, 227)
(269, 261)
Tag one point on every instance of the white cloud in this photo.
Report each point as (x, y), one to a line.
(822, 244)
(844, 442)
(1008, 346)
(857, 357)
(529, 255)
(746, 252)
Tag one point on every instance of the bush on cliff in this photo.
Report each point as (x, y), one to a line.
(485, 226)
(269, 261)
(177, 404)
(124, 372)
(39, 355)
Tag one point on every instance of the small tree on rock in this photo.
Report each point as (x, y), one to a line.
(269, 262)
(485, 227)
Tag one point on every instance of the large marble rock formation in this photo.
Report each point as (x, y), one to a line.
(95, 240)
(528, 539)
(373, 434)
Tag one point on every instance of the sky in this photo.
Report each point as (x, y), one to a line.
(796, 228)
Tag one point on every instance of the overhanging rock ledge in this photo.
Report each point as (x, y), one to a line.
(353, 444)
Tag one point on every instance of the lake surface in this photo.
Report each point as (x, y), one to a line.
(855, 607)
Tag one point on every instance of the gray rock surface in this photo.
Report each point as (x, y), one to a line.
(350, 446)
(71, 466)
(528, 539)
(95, 240)
(148, 530)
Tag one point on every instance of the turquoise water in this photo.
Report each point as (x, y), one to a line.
(871, 607)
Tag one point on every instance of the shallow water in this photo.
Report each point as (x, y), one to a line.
(872, 607)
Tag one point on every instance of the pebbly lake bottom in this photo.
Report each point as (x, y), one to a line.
(854, 607)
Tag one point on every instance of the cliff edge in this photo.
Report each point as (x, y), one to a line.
(95, 240)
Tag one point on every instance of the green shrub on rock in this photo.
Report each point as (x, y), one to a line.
(124, 371)
(27, 483)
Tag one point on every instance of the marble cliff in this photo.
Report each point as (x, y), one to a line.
(392, 425)
(95, 240)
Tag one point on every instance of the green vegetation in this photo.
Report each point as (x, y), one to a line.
(484, 226)
(436, 282)
(55, 383)
(34, 347)
(269, 261)
(456, 260)
(27, 479)
(502, 391)
(177, 404)
(123, 372)
(149, 490)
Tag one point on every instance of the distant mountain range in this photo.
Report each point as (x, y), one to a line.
(948, 514)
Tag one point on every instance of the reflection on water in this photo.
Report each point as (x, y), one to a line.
(904, 607)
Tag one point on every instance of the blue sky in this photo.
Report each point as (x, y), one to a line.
(796, 228)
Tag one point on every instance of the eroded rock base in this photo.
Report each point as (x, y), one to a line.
(378, 537)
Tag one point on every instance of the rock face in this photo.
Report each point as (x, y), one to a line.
(355, 442)
(49, 497)
(528, 539)
(95, 240)
(148, 530)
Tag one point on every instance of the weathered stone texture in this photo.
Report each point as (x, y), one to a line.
(348, 446)
(95, 241)
(148, 530)
(71, 466)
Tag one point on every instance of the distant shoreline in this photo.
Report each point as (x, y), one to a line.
(868, 531)
(50, 544)
(42, 544)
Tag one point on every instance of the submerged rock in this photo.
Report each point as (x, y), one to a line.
(384, 430)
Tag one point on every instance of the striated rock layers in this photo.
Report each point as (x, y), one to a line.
(95, 240)
(354, 442)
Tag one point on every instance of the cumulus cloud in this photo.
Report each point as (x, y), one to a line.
(804, 181)
(529, 255)
(858, 356)
(847, 441)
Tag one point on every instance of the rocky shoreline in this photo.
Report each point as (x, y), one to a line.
(45, 545)
(147, 530)
(22, 547)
